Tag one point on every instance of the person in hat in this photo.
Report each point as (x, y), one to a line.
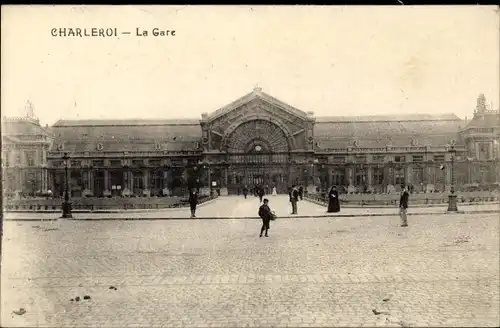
(333, 200)
(403, 206)
(294, 198)
(266, 215)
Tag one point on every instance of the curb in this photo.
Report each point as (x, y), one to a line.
(133, 210)
(320, 203)
(256, 218)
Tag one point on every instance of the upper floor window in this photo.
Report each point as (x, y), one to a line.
(399, 159)
(418, 158)
(484, 151)
(339, 159)
(137, 162)
(438, 158)
(98, 163)
(360, 159)
(30, 158)
(155, 162)
(115, 163)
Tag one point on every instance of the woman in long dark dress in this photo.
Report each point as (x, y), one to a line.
(333, 201)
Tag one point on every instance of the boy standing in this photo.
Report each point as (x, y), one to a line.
(266, 215)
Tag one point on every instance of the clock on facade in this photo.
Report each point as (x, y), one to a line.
(258, 148)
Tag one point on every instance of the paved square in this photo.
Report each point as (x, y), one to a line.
(364, 271)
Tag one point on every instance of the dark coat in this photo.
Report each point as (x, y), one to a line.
(193, 197)
(265, 212)
(294, 195)
(333, 201)
(403, 200)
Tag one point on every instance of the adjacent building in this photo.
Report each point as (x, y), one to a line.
(257, 139)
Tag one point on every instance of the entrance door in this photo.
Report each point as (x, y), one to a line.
(266, 169)
(258, 179)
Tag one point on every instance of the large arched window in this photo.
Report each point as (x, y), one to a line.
(258, 136)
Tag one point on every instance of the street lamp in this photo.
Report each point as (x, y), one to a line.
(66, 206)
(452, 198)
(206, 167)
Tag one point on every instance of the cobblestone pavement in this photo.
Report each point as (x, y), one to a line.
(440, 271)
(233, 206)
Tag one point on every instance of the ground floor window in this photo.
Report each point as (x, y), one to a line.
(378, 176)
(399, 177)
(338, 177)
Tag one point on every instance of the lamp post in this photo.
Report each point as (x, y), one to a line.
(452, 198)
(206, 166)
(66, 206)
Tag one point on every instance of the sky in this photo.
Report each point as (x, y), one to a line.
(335, 60)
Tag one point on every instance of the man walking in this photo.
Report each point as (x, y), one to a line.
(260, 193)
(266, 215)
(245, 191)
(301, 192)
(403, 206)
(294, 198)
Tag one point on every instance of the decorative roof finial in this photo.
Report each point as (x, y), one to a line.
(481, 104)
(257, 88)
(30, 112)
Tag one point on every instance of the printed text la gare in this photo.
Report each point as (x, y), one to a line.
(154, 32)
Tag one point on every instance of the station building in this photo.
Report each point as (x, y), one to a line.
(257, 139)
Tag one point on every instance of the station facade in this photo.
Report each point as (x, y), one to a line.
(256, 139)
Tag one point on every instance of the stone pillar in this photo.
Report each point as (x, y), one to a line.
(107, 189)
(51, 185)
(223, 189)
(126, 183)
(131, 181)
(86, 184)
(42, 180)
(408, 174)
(390, 180)
(166, 189)
(491, 152)
(45, 179)
(91, 182)
(447, 176)
(145, 180)
(350, 180)
(20, 180)
(369, 172)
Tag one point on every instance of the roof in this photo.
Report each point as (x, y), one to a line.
(379, 131)
(257, 93)
(126, 135)
(23, 126)
(373, 131)
(486, 120)
(388, 118)
(125, 122)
